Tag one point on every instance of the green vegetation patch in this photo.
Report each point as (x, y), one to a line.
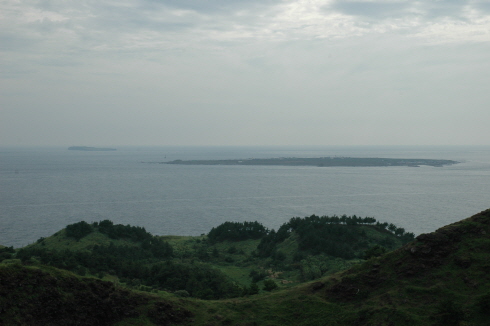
(441, 278)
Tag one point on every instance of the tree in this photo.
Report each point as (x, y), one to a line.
(78, 230)
(392, 227)
(399, 232)
(269, 285)
(257, 275)
(253, 289)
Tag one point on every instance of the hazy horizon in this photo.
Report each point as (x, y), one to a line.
(244, 73)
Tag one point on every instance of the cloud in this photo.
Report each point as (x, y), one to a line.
(483, 6)
(241, 72)
(374, 10)
(389, 9)
(220, 6)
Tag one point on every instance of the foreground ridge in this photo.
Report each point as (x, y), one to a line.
(440, 278)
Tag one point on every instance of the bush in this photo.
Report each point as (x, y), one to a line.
(253, 289)
(182, 293)
(257, 275)
(269, 285)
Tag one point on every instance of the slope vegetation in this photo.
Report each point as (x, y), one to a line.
(48, 296)
(440, 278)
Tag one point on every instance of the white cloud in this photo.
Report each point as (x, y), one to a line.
(234, 72)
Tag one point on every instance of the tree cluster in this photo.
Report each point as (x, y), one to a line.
(146, 262)
(6, 253)
(114, 231)
(78, 230)
(119, 231)
(331, 235)
(237, 231)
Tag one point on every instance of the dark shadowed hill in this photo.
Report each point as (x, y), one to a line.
(440, 278)
(49, 296)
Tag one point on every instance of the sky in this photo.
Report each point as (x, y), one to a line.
(244, 73)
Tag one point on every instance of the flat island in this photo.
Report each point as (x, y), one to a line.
(321, 162)
(90, 149)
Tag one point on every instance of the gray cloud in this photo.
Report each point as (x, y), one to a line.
(380, 9)
(371, 9)
(483, 6)
(11, 41)
(208, 6)
(243, 73)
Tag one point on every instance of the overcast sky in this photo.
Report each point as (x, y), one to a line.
(248, 72)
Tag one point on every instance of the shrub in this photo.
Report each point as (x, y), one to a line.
(269, 285)
(182, 293)
(257, 275)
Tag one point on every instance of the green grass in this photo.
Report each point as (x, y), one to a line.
(234, 259)
(447, 285)
(59, 241)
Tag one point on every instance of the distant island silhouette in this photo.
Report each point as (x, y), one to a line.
(321, 162)
(91, 149)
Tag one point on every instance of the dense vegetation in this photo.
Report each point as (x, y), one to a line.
(302, 249)
(143, 259)
(237, 231)
(332, 235)
(6, 252)
(440, 278)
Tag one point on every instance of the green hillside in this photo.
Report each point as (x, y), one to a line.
(440, 278)
(225, 263)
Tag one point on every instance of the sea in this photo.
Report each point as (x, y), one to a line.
(43, 189)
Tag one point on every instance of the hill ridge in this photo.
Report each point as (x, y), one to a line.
(440, 278)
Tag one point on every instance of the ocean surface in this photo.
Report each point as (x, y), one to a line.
(44, 189)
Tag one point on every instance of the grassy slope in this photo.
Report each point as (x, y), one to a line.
(440, 278)
(237, 265)
(59, 241)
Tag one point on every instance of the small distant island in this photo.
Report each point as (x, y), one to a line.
(322, 162)
(90, 149)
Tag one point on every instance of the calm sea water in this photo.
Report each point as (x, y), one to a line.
(44, 189)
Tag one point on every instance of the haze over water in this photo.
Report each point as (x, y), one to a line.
(44, 189)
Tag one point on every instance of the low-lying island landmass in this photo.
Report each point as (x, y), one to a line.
(322, 162)
(90, 149)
